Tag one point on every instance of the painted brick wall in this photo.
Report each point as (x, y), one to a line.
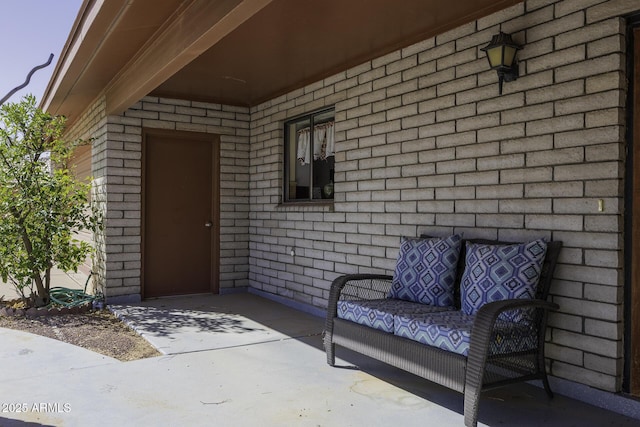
(125, 131)
(92, 126)
(424, 144)
(116, 167)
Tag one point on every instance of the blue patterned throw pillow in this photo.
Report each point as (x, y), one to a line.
(500, 272)
(426, 270)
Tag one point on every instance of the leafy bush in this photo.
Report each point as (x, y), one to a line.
(42, 205)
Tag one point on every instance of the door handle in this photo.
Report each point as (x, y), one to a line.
(208, 224)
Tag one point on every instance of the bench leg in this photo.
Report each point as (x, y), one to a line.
(476, 363)
(331, 355)
(471, 400)
(547, 387)
(329, 348)
(543, 370)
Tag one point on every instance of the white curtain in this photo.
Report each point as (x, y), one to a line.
(323, 143)
(303, 146)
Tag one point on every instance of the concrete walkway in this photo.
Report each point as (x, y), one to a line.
(240, 360)
(181, 325)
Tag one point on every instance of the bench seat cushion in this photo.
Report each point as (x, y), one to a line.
(451, 331)
(380, 313)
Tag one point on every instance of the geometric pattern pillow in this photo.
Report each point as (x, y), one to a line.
(425, 271)
(499, 272)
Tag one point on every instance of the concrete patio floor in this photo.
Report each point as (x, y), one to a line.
(242, 360)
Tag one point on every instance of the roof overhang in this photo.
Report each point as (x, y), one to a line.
(237, 52)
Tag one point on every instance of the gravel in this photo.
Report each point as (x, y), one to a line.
(97, 330)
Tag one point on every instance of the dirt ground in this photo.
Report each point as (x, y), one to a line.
(97, 330)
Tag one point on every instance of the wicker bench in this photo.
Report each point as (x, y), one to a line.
(495, 355)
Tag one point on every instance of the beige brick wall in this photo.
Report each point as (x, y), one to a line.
(424, 144)
(92, 126)
(117, 189)
(232, 125)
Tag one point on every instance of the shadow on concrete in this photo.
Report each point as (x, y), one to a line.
(522, 405)
(208, 322)
(164, 322)
(8, 422)
(197, 323)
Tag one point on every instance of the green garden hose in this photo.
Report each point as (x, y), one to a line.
(65, 297)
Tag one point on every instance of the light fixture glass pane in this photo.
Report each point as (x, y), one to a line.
(495, 56)
(509, 54)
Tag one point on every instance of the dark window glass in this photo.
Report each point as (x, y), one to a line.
(309, 157)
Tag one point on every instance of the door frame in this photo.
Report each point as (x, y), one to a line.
(215, 198)
(631, 302)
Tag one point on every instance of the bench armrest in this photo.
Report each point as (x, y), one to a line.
(363, 288)
(486, 317)
(490, 311)
(352, 286)
(481, 336)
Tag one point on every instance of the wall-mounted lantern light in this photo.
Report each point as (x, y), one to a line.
(501, 53)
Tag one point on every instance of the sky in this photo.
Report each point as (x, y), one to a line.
(30, 30)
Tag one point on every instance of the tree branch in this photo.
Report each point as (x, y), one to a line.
(28, 79)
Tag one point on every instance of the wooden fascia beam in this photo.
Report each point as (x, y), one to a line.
(199, 26)
(93, 25)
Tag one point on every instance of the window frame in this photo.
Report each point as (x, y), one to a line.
(286, 199)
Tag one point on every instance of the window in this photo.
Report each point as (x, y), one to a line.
(309, 157)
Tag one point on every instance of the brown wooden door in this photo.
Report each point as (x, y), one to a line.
(180, 221)
(634, 298)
